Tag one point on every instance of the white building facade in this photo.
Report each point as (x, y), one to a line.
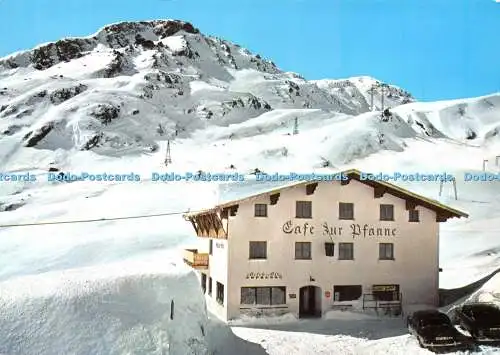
(316, 246)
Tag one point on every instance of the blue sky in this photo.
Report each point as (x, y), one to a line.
(436, 49)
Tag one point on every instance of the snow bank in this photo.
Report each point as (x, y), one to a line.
(287, 318)
(125, 308)
(246, 320)
(490, 292)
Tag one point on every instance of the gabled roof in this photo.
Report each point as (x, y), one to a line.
(355, 175)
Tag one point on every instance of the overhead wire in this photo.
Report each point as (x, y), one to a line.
(96, 219)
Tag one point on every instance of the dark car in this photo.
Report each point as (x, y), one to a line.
(481, 320)
(435, 332)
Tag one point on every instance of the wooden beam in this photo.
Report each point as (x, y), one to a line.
(217, 224)
(221, 227)
(213, 221)
(201, 226)
(225, 212)
(274, 198)
(411, 204)
(194, 225)
(211, 224)
(203, 222)
(197, 223)
(441, 217)
(379, 191)
(311, 188)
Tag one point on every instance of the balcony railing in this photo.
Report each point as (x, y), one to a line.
(196, 260)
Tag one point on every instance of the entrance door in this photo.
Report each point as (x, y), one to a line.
(309, 302)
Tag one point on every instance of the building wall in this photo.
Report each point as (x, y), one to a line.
(218, 266)
(415, 267)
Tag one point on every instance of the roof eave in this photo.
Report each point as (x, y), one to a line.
(438, 206)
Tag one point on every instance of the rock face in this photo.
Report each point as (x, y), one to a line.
(64, 94)
(32, 138)
(106, 113)
(114, 36)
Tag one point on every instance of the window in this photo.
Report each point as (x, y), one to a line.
(386, 292)
(346, 251)
(413, 216)
(260, 210)
(303, 250)
(303, 209)
(210, 247)
(386, 251)
(210, 286)
(258, 250)
(265, 296)
(347, 293)
(329, 249)
(346, 210)
(219, 293)
(204, 282)
(387, 212)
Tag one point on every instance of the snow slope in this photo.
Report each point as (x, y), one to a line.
(109, 102)
(119, 309)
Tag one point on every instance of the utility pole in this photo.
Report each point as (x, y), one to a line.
(484, 164)
(497, 160)
(441, 183)
(296, 126)
(372, 89)
(382, 95)
(168, 158)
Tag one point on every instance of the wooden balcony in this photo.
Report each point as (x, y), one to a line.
(196, 260)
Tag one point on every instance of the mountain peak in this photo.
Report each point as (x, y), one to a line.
(115, 36)
(170, 26)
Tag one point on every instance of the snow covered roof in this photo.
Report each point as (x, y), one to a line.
(411, 198)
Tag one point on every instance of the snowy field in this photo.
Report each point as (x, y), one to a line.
(106, 286)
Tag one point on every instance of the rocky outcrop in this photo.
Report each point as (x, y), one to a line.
(145, 43)
(12, 130)
(33, 138)
(64, 94)
(7, 207)
(249, 101)
(93, 141)
(22, 108)
(119, 65)
(168, 28)
(61, 51)
(169, 80)
(105, 113)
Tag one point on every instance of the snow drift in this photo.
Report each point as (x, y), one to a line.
(125, 308)
(489, 292)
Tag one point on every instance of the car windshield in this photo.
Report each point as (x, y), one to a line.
(434, 322)
(486, 315)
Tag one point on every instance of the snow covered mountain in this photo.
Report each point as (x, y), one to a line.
(109, 102)
(131, 84)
